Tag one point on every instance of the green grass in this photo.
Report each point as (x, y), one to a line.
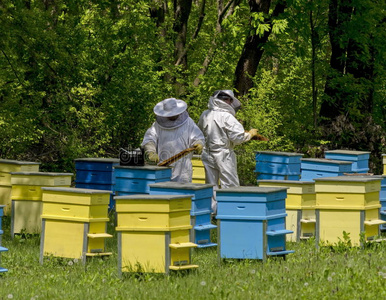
(338, 272)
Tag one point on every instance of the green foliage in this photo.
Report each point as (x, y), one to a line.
(80, 79)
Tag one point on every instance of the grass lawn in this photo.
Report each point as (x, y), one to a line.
(338, 272)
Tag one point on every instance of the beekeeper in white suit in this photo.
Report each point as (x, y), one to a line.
(172, 132)
(222, 133)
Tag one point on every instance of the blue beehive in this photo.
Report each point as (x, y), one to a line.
(96, 173)
(130, 180)
(251, 222)
(312, 168)
(2, 249)
(359, 159)
(382, 199)
(278, 165)
(201, 207)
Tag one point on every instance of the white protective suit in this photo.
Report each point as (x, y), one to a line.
(172, 137)
(222, 132)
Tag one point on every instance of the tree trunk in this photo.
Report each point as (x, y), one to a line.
(254, 46)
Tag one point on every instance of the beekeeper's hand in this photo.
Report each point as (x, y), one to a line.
(151, 155)
(198, 148)
(152, 158)
(254, 133)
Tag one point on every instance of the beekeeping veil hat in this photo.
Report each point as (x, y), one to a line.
(226, 94)
(170, 107)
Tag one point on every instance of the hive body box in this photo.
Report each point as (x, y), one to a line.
(277, 165)
(384, 163)
(6, 167)
(312, 168)
(300, 207)
(251, 222)
(154, 233)
(198, 170)
(27, 198)
(74, 222)
(2, 249)
(130, 180)
(200, 212)
(347, 203)
(359, 159)
(96, 173)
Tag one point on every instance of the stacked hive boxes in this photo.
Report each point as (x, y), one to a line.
(74, 222)
(347, 204)
(2, 249)
(154, 233)
(300, 207)
(312, 168)
(6, 167)
(200, 213)
(251, 222)
(198, 170)
(382, 199)
(131, 180)
(359, 159)
(96, 173)
(27, 198)
(278, 165)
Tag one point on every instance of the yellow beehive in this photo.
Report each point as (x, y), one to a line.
(154, 233)
(333, 222)
(28, 218)
(41, 178)
(384, 163)
(155, 212)
(347, 200)
(6, 167)
(74, 222)
(71, 239)
(154, 251)
(347, 184)
(198, 170)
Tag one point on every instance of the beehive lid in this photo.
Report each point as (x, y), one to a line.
(349, 179)
(326, 161)
(252, 189)
(151, 197)
(17, 162)
(42, 173)
(348, 152)
(75, 190)
(179, 185)
(294, 186)
(279, 153)
(98, 159)
(147, 167)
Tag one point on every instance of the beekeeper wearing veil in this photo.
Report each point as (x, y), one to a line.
(222, 133)
(172, 132)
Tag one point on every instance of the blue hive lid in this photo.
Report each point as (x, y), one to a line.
(252, 190)
(146, 167)
(326, 161)
(151, 197)
(179, 185)
(98, 159)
